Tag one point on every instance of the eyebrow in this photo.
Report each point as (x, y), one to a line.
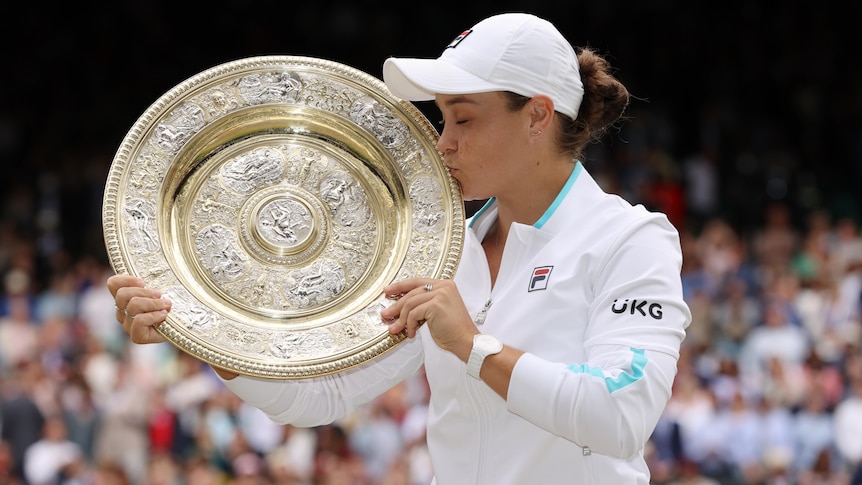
(457, 100)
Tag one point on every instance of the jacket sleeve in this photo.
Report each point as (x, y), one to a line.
(611, 402)
(322, 400)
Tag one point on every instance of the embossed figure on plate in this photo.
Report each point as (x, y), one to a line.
(285, 222)
(249, 171)
(369, 113)
(195, 317)
(291, 344)
(182, 123)
(315, 285)
(270, 87)
(142, 237)
(216, 246)
(217, 102)
(427, 195)
(345, 198)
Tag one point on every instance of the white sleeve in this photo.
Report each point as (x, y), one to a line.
(322, 400)
(612, 400)
(612, 413)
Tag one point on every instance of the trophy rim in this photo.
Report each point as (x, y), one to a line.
(173, 181)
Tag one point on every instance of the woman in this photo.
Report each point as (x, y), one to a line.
(550, 356)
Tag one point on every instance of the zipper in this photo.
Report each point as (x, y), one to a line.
(480, 317)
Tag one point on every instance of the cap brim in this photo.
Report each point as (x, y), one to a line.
(423, 79)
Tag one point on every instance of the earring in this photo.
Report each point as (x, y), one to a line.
(536, 133)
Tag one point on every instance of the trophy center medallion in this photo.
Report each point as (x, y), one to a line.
(284, 224)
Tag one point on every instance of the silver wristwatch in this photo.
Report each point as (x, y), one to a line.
(483, 346)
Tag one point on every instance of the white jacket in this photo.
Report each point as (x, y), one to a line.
(592, 293)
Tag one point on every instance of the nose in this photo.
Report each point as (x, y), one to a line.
(444, 142)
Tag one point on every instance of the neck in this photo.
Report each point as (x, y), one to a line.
(527, 203)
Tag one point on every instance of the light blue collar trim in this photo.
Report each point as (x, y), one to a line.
(550, 211)
(479, 212)
(562, 195)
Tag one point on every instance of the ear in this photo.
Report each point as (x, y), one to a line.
(541, 114)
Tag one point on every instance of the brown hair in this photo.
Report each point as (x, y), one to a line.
(605, 100)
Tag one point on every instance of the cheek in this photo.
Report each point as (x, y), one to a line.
(487, 148)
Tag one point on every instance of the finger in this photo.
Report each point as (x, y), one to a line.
(147, 303)
(390, 313)
(143, 327)
(403, 287)
(118, 281)
(143, 317)
(415, 318)
(125, 295)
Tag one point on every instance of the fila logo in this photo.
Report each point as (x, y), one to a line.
(643, 307)
(539, 279)
(458, 39)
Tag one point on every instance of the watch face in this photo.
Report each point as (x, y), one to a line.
(489, 343)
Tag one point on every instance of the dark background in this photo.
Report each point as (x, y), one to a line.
(775, 90)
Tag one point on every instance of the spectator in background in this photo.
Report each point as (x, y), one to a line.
(80, 413)
(848, 429)
(18, 289)
(740, 424)
(691, 407)
(776, 242)
(691, 474)
(54, 459)
(811, 263)
(735, 311)
(19, 330)
(19, 341)
(824, 378)
(123, 436)
(96, 309)
(22, 419)
(700, 174)
(291, 462)
(777, 442)
(60, 299)
(826, 316)
(721, 252)
(814, 432)
(6, 463)
(777, 338)
(783, 383)
(846, 250)
(826, 470)
(263, 434)
(376, 437)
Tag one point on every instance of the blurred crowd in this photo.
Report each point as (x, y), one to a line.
(769, 389)
(764, 191)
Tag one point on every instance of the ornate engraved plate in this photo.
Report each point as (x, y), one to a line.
(271, 199)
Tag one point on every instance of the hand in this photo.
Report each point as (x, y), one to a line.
(436, 303)
(140, 309)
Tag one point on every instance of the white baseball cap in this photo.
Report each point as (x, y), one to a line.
(515, 52)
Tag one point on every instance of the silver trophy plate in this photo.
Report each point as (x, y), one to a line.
(271, 199)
